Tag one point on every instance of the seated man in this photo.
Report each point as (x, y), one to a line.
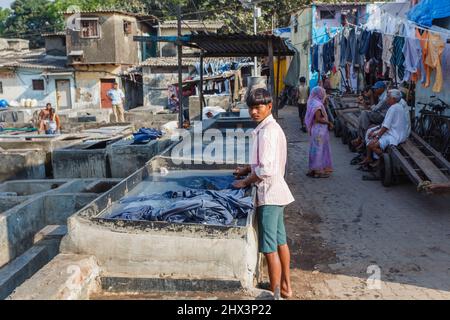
(395, 129)
(43, 118)
(53, 124)
(374, 116)
(366, 99)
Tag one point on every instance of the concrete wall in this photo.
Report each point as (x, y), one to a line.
(19, 225)
(78, 163)
(88, 86)
(19, 85)
(302, 38)
(56, 46)
(112, 45)
(125, 158)
(156, 81)
(25, 164)
(67, 277)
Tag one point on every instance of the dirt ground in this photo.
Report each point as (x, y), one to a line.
(341, 230)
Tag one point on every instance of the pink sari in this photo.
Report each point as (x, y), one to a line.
(319, 148)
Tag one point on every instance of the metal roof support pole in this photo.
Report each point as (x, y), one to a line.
(200, 93)
(180, 71)
(272, 80)
(277, 92)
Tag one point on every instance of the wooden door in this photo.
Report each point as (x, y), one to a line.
(106, 85)
(63, 97)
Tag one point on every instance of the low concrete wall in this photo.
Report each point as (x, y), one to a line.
(22, 164)
(19, 224)
(30, 187)
(125, 158)
(77, 163)
(18, 115)
(142, 117)
(67, 277)
(85, 160)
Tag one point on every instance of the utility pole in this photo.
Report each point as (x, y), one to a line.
(180, 70)
(256, 15)
(252, 4)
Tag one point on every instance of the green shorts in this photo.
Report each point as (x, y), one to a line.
(271, 230)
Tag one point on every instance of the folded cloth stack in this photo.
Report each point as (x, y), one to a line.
(145, 135)
(190, 206)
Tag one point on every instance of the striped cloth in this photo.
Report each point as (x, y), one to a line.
(398, 57)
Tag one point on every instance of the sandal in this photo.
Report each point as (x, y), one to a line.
(321, 175)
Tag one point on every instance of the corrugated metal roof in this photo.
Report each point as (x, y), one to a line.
(187, 61)
(238, 45)
(168, 62)
(33, 59)
(54, 34)
(192, 24)
(112, 11)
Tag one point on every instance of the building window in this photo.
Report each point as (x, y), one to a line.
(327, 14)
(127, 27)
(89, 28)
(1, 87)
(38, 85)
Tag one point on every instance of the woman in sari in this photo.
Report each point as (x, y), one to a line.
(318, 126)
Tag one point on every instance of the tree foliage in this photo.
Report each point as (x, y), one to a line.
(29, 18)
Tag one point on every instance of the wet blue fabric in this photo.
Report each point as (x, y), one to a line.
(191, 206)
(207, 183)
(144, 135)
(134, 214)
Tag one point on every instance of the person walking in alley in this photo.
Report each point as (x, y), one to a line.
(117, 98)
(303, 94)
(267, 170)
(318, 126)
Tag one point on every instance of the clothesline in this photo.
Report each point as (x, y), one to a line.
(338, 32)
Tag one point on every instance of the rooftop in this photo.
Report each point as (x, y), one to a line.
(239, 45)
(33, 59)
(192, 24)
(145, 16)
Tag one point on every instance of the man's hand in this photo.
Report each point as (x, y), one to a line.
(373, 134)
(240, 184)
(241, 171)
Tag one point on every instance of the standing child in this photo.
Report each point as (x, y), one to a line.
(303, 95)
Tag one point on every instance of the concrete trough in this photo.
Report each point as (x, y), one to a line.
(19, 224)
(134, 255)
(30, 187)
(33, 224)
(45, 143)
(125, 158)
(84, 160)
(22, 164)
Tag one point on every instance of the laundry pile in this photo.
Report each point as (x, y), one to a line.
(191, 205)
(145, 135)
